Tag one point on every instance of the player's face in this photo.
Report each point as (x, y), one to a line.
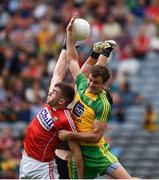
(95, 84)
(54, 97)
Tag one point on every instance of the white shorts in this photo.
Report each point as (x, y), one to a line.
(34, 169)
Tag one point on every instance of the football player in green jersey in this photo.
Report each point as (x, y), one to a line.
(91, 110)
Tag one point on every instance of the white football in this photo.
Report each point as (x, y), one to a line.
(81, 29)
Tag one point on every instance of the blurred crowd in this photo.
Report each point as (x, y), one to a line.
(31, 37)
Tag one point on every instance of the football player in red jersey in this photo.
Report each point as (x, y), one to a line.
(38, 160)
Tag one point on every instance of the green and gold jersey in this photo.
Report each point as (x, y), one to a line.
(87, 107)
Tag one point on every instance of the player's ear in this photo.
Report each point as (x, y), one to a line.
(104, 85)
(62, 101)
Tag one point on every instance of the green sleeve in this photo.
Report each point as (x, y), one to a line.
(81, 81)
(102, 109)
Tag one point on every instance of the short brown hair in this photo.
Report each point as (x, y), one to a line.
(101, 71)
(67, 90)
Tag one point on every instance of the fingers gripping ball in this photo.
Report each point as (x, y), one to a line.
(81, 29)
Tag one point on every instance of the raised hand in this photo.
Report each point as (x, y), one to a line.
(70, 25)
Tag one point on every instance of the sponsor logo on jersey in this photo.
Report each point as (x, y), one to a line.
(78, 109)
(45, 119)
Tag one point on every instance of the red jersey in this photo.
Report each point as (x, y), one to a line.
(42, 135)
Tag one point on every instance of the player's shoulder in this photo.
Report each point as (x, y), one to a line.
(67, 112)
(70, 119)
(81, 77)
(64, 112)
(102, 96)
(66, 116)
(102, 99)
(47, 106)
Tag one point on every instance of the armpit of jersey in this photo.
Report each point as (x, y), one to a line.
(45, 119)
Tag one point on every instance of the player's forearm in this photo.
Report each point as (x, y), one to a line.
(71, 50)
(60, 70)
(77, 155)
(87, 66)
(79, 166)
(102, 60)
(72, 56)
(61, 65)
(87, 137)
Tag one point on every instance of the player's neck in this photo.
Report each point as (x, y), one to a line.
(57, 107)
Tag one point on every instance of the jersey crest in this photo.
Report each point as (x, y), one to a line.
(45, 119)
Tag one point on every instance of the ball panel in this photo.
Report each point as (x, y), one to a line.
(81, 29)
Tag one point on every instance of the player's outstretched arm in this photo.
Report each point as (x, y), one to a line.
(87, 66)
(92, 59)
(60, 70)
(75, 149)
(108, 47)
(96, 56)
(71, 53)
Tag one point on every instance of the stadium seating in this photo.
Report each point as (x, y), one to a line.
(139, 148)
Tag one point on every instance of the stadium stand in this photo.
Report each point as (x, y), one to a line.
(139, 147)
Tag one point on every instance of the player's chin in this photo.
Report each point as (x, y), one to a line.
(49, 102)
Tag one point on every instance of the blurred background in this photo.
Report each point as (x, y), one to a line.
(31, 37)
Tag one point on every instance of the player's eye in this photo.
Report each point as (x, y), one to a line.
(54, 91)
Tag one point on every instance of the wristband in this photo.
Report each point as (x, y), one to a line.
(107, 52)
(94, 55)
